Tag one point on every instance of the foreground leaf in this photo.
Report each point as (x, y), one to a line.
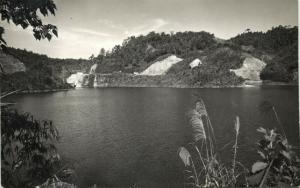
(262, 130)
(185, 156)
(255, 179)
(258, 166)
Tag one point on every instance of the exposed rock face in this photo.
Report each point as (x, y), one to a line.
(81, 79)
(10, 64)
(161, 67)
(251, 69)
(195, 63)
(78, 79)
(93, 68)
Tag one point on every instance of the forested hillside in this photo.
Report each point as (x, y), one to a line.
(41, 72)
(137, 53)
(278, 48)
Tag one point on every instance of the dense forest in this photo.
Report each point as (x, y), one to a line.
(278, 47)
(136, 53)
(42, 72)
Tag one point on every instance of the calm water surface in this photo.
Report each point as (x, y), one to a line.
(122, 136)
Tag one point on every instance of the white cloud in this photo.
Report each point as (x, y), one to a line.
(110, 24)
(152, 25)
(91, 32)
(76, 43)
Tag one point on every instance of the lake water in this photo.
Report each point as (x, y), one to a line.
(121, 136)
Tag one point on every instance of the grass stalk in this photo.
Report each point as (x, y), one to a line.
(200, 157)
(265, 174)
(194, 172)
(213, 171)
(278, 121)
(237, 129)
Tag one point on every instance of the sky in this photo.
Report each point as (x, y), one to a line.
(86, 26)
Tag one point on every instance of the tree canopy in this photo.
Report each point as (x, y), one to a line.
(136, 52)
(25, 13)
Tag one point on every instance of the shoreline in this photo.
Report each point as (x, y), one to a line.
(244, 85)
(43, 91)
(196, 87)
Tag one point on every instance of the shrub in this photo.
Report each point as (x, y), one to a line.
(28, 153)
(279, 164)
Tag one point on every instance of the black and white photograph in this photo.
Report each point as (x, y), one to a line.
(149, 94)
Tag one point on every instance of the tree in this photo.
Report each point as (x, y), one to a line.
(102, 52)
(247, 30)
(25, 13)
(100, 58)
(91, 57)
(28, 153)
